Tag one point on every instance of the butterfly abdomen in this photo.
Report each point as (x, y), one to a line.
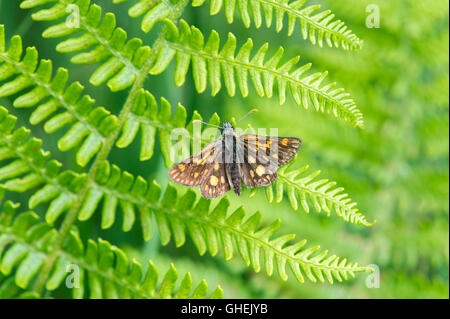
(235, 178)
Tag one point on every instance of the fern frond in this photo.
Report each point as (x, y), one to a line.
(210, 230)
(209, 63)
(314, 25)
(24, 75)
(102, 269)
(100, 41)
(28, 166)
(302, 185)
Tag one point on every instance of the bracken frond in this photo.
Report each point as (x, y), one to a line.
(32, 81)
(103, 270)
(95, 40)
(315, 26)
(25, 166)
(322, 193)
(186, 44)
(175, 216)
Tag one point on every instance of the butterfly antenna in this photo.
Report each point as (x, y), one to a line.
(198, 121)
(252, 111)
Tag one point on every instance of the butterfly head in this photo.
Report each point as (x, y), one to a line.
(227, 128)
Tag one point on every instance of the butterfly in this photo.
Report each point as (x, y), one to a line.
(221, 164)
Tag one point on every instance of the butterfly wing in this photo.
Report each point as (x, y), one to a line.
(216, 183)
(194, 170)
(262, 157)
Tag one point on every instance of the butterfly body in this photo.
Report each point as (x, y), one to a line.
(230, 139)
(221, 164)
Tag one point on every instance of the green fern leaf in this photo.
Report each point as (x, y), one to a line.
(315, 26)
(179, 217)
(301, 186)
(100, 42)
(30, 167)
(102, 270)
(187, 44)
(32, 80)
(151, 11)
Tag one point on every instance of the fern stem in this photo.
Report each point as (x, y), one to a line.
(71, 216)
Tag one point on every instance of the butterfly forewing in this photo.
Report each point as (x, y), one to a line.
(194, 170)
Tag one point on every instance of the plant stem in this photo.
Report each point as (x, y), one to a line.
(71, 216)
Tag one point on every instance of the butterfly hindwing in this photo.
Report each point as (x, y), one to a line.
(276, 150)
(195, 169)
(216, 183)
(256, 175)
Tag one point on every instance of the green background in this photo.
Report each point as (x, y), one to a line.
(397, 168)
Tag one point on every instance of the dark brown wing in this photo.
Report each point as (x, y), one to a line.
(216, 183)
(277, 150)
(194, 170)
(262, 157)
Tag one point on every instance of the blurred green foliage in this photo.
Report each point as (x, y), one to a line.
(397, 168)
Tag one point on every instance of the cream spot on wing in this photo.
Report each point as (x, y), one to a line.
(251, 159)
(216, 166)
(260, 170)
(222, 180)
(275, 155)
(252, 173)
(213, 180)
(182, 167)
(196, 174)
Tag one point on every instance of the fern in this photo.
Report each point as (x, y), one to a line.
(209, 230)
(313, 27)
(121, 58)
(34, 254)
(188, 44)
(32, 167)
(208, 63)
(47, 95)
(322, 194)
(104, 268)
(179, 214)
